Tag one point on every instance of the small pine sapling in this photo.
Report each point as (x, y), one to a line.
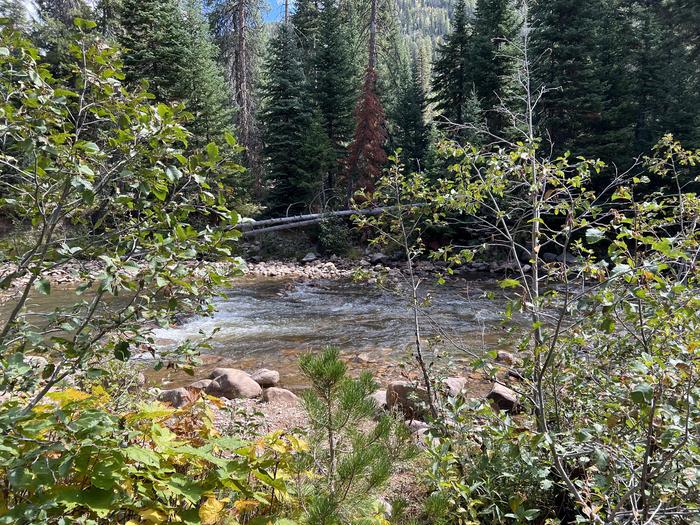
(353, 455)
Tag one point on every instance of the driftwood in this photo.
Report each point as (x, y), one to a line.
(250, 229)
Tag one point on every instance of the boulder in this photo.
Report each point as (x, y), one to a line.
(202, 384)
(566, 257)
(504, 398)
(363, 358)
(279, 396)
(408, 398)
(377, 258)
(505, 358)
(232, 383)
(266, 378)
(36, 361)
(454, 385)
(309, 257)
(379, 399)
(177, 397)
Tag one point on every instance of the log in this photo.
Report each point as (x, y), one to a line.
(250, 229)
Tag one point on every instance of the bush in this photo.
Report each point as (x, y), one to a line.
(334, 236)
(75, 460)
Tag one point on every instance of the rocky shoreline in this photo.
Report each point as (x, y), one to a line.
(267, 404)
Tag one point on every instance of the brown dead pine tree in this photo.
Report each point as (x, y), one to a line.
(367, 156)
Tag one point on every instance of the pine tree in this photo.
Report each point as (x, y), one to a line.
(452, 78)
(332, 80)
(306, 22)
(566, 37)
(207, 95)
(493, 59)
(238, 30)
(412, 133)
(286, 119)
(167, 42)
(367, 156)
(356, 463)
(666, 78)
(156, 46)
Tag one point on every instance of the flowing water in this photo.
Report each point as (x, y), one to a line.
(265, 322)
(269, 322)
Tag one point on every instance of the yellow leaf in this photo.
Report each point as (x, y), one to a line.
(132, 522)
(68, 395)
(244, 505)
(298, 444)
(153, 516)
(210, 510)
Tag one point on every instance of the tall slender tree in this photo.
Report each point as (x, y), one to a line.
(493, 60)
(238, 29)
(286, 119)
(156, 43)
(412, 133)
(206, 93)
(332, 82)
(367, 156)
(567, 38)
(452, 80)
(306, 22)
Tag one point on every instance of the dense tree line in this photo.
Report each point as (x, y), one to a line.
(318, 114)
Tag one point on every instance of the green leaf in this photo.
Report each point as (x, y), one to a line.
(43, 286)
(608, 325)
(81, 23)
(594, 235)
(143, 455)
(213, 151)
(642, 393)
(121, 351)
(509, 283)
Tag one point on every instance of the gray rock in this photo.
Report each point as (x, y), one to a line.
(309, 257)
(202, 384)
(409, 399)
(36, 361)
(377, 258)
(379, 399)
(454, 385)
(177, 397)
(266, 378)
(363, 358)
(566, 258)
(504, 398)
(548, 257)
(233, 383)
(505, 358)
(279, 396)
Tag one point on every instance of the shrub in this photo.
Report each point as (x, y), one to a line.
(75, 460)
(334, 236)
